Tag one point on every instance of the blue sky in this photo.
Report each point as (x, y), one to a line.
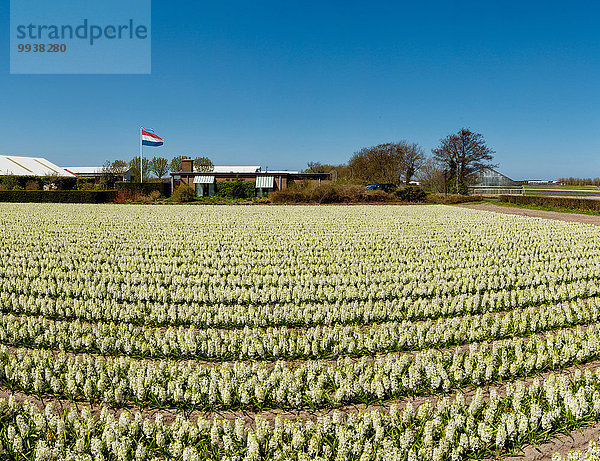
(279, 84)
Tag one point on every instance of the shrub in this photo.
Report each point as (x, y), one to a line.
(9, 182)
(377, 196)
(183, 193)
(235, 189)
(350, 193)
(290, 195)
(32, 185)
(57, 196)
(126, 196)
(324, 193)
(411, 194)
(329, 193)
(146, 188)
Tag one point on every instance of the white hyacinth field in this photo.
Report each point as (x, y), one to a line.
(293, 332)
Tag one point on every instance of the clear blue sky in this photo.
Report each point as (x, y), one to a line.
(282, 83)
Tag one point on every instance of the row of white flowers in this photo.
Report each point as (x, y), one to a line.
(298, 285)
(327, 272)
(313, 383)
(452, 430)
(591, 454)
(239, 316)
(337, 256)
(286, 343)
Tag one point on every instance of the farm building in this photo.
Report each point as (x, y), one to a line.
(96, 172)
(490, 182)
(30, 166)
(85, 171)
(204, 183)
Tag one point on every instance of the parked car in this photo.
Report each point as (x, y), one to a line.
(384, 186)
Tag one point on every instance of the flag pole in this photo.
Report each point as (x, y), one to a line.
(141, 157)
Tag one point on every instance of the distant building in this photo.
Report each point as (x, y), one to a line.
(491, 182)
(85, 171)
(538, 181)
(30, 166)
(204, 183)
(96, 172)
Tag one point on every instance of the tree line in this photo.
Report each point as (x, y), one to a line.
(451, 167)
(156, 166)
(580, 181)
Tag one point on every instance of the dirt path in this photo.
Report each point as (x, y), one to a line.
(567, 217)
(563, 444)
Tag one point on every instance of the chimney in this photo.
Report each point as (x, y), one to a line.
(187, 165)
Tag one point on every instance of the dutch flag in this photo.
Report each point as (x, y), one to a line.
(150, 139)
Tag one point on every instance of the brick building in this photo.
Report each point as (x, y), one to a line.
(265, 181)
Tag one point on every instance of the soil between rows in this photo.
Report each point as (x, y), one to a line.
(63, 405)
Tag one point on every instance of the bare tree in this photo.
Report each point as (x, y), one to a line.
(203, 165)
(431, 175)
(158, 166)
(314, 167)
(119, 167)
(464, 153)
(134, 167)
(391, 162)
(111, 172)
(337, 173)
(175, 165)
(414, 159)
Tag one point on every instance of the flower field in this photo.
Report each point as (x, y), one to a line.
(263, 332)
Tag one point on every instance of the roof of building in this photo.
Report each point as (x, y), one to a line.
(84, 169)
(29, 166)
(226, 171)
(235, 169)
(489, 177)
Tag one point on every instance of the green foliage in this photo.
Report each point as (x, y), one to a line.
(564, 202)
(12, 182)
(9, 182)
(183, 193)
(235, 189)
(58, 196)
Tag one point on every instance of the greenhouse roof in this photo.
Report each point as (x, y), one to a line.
(30, 166)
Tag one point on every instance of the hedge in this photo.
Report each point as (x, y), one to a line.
(145, 188)
(540, 200)
(235, 189)
(61, 182)
(58, 196)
